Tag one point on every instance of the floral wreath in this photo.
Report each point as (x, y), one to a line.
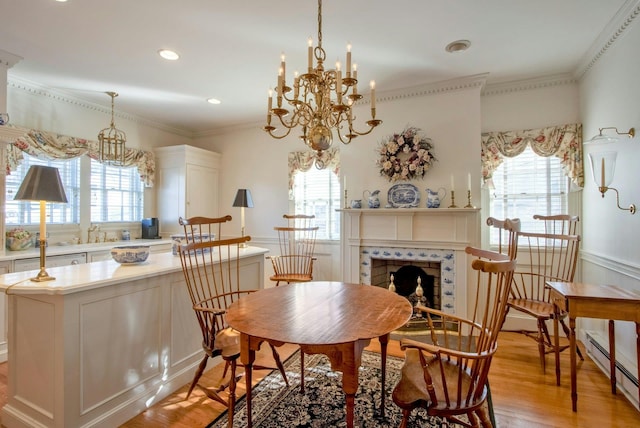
(406, 155)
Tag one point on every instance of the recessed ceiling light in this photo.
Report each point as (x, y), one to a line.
(213, 101)
(458, 46)
(168, 54)
(61, 1)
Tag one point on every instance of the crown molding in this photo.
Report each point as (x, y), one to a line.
(8, 59)
(609, 35)
(529, 84)
(476, 81)
(33, 88)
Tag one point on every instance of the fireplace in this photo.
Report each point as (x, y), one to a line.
(436, 269)
(376, 242)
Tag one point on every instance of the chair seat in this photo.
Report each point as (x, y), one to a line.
(412, 388)
(293, 277)
(228, 342)
(535, 308)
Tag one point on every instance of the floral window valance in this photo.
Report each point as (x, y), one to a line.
(57, 146)
(564, 142)
(303, 161)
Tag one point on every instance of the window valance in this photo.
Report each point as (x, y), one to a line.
(56, 146)
(564, 142)
(303, 161)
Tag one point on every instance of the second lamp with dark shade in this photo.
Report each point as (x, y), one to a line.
(243, 200)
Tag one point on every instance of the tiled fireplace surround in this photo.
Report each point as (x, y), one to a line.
(427, 238)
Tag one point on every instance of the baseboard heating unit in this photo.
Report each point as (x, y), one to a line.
(626, 380)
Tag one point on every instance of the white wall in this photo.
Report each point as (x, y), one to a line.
(610, 96)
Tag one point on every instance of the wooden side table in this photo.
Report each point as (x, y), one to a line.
(593, 301)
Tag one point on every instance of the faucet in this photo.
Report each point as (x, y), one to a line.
(92, 228)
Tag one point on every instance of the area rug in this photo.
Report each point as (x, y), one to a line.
(323, 404)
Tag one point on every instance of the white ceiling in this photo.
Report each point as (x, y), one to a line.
(230, 49)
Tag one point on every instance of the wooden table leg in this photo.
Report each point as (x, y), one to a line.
(572, 357)
(247, 356)
(384, 340)
(612, 355)
(638, 353)
(556, 336)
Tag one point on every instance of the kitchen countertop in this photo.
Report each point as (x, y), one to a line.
(88, 276)
(56, 250)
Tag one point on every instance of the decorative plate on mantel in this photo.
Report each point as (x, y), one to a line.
(404, 195)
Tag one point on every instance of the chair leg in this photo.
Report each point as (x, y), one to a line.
(196, 378)
(473, 420)
(485, 421)
(232, 393)
(301, 372)
(405, 418)
(540, 339)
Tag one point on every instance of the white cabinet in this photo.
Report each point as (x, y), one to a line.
(33, 263)
(187, 183)
(5, 267)
(97, 256)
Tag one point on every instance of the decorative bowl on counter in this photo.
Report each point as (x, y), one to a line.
(19, 244)
(130, 254)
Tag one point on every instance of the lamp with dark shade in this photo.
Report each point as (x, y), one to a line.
(42, 184)
(243, 200)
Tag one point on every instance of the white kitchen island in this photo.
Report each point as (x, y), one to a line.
(103, 341)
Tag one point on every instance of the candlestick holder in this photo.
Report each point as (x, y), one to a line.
(469, 205)
(346, 200)
(453, 200)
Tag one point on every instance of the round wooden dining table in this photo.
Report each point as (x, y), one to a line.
(332, 318)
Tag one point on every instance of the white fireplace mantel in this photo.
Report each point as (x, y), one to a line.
(448, 230)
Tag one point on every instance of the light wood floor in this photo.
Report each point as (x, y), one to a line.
(522, 395)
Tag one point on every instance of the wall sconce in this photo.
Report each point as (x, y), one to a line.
(243, 200)
(603, 164)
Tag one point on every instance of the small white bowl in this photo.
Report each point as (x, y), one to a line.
(130, 254)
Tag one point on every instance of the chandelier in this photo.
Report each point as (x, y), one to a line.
(111, 141)
(322, 100)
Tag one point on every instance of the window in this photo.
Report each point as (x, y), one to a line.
(116, 193)
(317, 192)
(525, 185)
(28, 212)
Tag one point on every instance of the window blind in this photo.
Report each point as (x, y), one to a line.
(525, 185)
(317, 192)
(116, 193)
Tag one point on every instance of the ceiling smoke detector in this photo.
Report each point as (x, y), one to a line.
(458, 46)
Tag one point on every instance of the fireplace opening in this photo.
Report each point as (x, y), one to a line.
(405, 280)
(406, 273)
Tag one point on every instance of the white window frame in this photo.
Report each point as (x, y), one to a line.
(77, 175)
(558, 189)
(324, 208)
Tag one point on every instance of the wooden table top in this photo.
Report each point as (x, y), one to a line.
(319, 313)
(593, 291)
